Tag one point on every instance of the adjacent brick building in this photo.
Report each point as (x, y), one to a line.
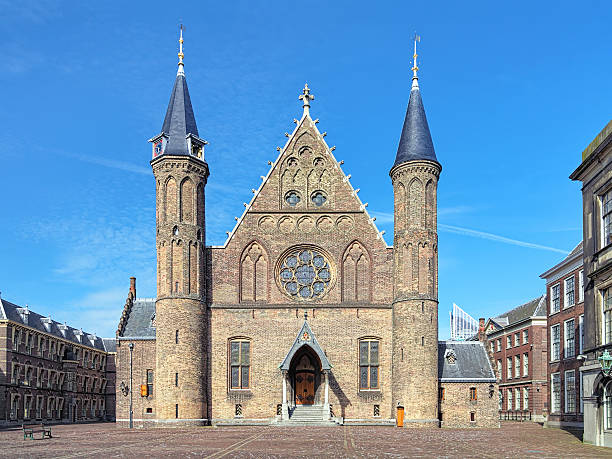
(595, 173)
(565, 310)
(304, 313)
(52, 372)
(517, 344)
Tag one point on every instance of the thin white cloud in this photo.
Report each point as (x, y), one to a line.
(495, 237)
(101, 161)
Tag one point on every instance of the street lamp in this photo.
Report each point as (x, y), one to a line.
(606, 362)
(131, 346)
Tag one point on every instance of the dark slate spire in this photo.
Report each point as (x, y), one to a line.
(179, 134)
(415, 142)
(179, 120)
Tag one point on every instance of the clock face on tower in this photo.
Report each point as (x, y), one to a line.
(157, 148)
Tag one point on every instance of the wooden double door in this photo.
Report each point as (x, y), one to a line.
(304, 388)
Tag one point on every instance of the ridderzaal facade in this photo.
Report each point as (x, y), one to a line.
(305, 314)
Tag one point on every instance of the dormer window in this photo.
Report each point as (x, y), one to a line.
(450, 356)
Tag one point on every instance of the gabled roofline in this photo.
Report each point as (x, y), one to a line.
(562, 264)
(362, 206)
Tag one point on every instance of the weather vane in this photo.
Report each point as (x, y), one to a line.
(181, 69)
(415, 68)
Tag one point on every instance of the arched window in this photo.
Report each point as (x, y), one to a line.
(369, 350)
(608, 406)
(239, 363)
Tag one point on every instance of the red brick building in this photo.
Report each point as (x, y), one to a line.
(51, 372)
(565, 311)
(516, 341)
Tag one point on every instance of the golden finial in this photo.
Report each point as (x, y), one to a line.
(415, 68)
(306, 97)
(181, 68)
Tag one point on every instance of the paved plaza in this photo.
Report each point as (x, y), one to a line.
(105, 440)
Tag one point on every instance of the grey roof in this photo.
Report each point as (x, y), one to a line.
(140, 321)
(471, 362)
(15, 313)
(533, 308)
(180, 120)
(305, 338)
(415, 142)
(110, 344)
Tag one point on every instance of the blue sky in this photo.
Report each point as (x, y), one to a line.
(513, 93)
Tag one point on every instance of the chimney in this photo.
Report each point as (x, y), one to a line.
(481, 330)
(133, 286)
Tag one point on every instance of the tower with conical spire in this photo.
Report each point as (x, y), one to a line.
(180, 312)
(415, 266)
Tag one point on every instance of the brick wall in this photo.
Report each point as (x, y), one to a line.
(456, 405)
(143, 358)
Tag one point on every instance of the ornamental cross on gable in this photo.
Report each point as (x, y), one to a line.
(306, 97)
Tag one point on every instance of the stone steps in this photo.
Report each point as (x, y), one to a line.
(312, 415)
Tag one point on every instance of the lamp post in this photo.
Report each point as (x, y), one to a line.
(606, 363)
(131, 346)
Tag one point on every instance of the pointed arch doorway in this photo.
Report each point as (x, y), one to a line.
(305, 373)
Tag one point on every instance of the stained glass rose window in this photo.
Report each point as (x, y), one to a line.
(305, 274)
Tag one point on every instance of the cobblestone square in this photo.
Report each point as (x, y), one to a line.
(106, 440)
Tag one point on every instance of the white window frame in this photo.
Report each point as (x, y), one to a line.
(499, 345)
(509, 372)
(525, 398)
(499, 367)
(492, 347)
(517, 339)
(605, 214)
(517, 400)
(581, 286)
(526, 364)
(526, 336)
(555, 399)
(510, 401)
(555, 290)
(566, 336)
(580, 333)
(517, 366)
(568, 398)
(554, 356)
(508, 341)
(606, 334)
(569, 300)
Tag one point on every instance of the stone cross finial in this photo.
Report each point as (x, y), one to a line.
(306, 97)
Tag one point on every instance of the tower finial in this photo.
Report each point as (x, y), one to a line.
(181, 68)
(306, 97)
(415, 68)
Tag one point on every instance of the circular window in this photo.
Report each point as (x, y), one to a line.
(305, 273)
(292, 198)
(318, 198)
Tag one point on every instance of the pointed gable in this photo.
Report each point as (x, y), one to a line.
(305, 338)
(306, 177)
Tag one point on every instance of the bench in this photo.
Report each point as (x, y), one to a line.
(29, 429)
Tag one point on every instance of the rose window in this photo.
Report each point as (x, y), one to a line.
(305, 274)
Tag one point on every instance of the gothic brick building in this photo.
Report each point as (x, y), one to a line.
(304, 313)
